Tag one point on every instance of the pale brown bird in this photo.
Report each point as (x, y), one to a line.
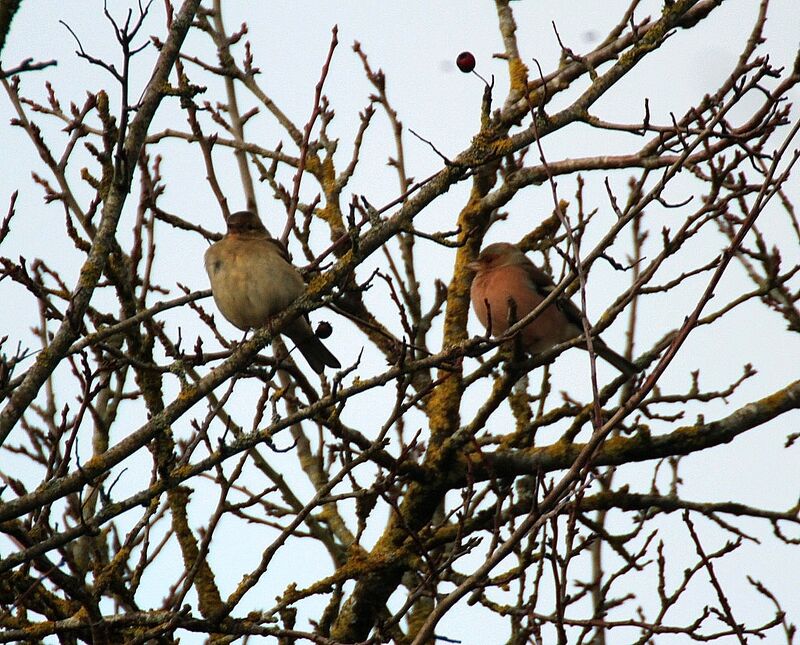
(503, 273)
(252, 280)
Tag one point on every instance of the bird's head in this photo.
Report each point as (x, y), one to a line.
(246, 224)
(497, 255)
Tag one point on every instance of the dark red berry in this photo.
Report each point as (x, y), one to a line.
(465, 62)
(324, 329)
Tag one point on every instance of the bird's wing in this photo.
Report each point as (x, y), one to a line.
(544, 285)
(280, 248)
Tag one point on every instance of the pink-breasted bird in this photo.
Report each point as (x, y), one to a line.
(503, 273)
(253, 280)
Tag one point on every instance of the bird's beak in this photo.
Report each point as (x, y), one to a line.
(474, 265)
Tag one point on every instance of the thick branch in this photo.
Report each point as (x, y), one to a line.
(643, 447)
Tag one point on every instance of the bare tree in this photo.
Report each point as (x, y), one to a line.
(436, 472)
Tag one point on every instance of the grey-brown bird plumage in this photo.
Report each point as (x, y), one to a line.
(502, 273)
(253, 280)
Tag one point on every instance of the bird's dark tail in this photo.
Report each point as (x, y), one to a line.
(310, 346)
(317, 355)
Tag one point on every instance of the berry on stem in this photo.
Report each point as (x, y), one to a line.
(465, 62)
